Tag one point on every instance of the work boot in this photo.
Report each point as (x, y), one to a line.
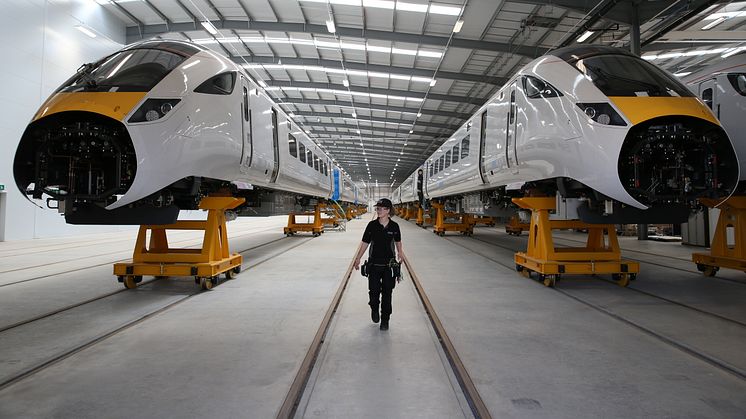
(374, 314)
(385, 324)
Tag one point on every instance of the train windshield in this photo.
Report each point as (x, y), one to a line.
(738, 81)
(134, 70)
(623, 75)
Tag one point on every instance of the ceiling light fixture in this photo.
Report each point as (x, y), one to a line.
(457, 27)
(585, 36)
(85, 30)
(346, 83)
(209, 27)
(330, 26)
(714, 23)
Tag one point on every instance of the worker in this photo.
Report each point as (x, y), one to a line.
(384, 237)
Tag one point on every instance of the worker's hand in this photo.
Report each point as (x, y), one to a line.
(356, 265)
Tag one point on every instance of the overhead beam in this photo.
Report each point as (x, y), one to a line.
(135, 34)
(379, 91)
(337, 65)
(346, 104)
(370, 123)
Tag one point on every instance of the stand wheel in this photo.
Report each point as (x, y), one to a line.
(710, 270)
(206, 283)
(548, 280)
(231, 273)
(131, 281)
(316, 234)
(518, 267)
(622, 279)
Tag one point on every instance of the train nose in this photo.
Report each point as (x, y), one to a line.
(677, 159)
(75, 155)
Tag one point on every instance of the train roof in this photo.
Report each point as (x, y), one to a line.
(576, 53)
(185, 49)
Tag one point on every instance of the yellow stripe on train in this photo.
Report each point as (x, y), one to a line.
(115, 105)
(640, 109)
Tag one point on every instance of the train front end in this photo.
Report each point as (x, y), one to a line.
(674, 150)
(78, 153)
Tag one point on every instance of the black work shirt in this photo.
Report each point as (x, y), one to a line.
(381, 240)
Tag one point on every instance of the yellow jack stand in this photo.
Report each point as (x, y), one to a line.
(465, 227)
(723, 254)
(205, 264)
(515, 227)
(549, 262)
(316, 227)
(483, 219)
(410, 212)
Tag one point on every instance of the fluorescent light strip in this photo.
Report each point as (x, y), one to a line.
(86, 31)
(343, 93)
(296, 104)
(339, 71)
(585, 36)
(694, 53)
(320, 44)
(371, 121)
(434, 8)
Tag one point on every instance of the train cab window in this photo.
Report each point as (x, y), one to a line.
(455, 153)
(309, 158)
(738, 81)
(537, 88)
(465, 147)
(302, 152)
(626, 75)
(293, 145)
(133, 70)
(707, 97)
(222, 84)
(448, 158)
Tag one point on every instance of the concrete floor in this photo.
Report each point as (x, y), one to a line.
(234, 351)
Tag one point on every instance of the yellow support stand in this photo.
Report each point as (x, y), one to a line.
(726, 253)
(204, 264)
(515, 227)
(597, 257)
(483, 219)
(465, 227)
(316, 227)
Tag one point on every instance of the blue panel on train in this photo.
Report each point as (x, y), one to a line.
(335, 195)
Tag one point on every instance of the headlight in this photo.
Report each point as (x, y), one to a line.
(153, 110)
(602, 113)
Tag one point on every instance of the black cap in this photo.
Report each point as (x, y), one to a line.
(384, 202)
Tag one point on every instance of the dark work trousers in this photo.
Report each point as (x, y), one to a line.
(380, 282)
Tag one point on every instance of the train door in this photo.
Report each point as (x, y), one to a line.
(708, 93)
(275, 147)
(482, 156)
(247, 149)
(511, 157)
(420, 183)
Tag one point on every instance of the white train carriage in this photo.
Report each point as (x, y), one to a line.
(722, 87)
(153, 128)
(589, 122)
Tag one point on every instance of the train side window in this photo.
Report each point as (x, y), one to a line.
(442, 162)
(293, 145)
(738, 81)
(455, 153)
(222, 84)
(707, 97)
(315, 163)
(302, 152)
(536, 88)
(465, 147)
(448, 158)
(309, 158)
(324, 167)
(430, 170)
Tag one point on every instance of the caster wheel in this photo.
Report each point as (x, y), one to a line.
(232, 273)
(710, 270)
(548, 280)
(623, 280)
(519, 268)
(206, 283)
(131, 281)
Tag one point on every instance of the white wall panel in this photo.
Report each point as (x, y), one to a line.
(39, 49)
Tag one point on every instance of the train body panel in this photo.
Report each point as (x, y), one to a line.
(722, 88)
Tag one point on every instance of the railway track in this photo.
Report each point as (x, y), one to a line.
(294, 399)
(93, 340)
(612, 312)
